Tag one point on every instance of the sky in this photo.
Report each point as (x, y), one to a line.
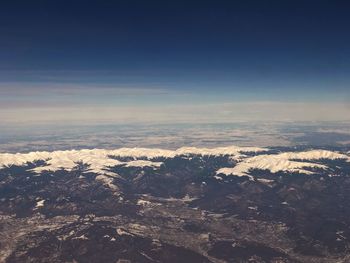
(174, 61)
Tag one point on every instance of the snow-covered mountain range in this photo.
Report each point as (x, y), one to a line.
(246, 159)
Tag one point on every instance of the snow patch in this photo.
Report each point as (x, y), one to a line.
(143, 202)
(122, 232)
(107, 181)
(283, 162)
(40, 204)
(143, 163)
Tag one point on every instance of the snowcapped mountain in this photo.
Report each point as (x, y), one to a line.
(100, 160)
(225, 204)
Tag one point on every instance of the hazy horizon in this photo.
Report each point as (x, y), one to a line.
(157, 62)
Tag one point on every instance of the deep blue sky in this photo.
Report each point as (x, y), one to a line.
(219, 50)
